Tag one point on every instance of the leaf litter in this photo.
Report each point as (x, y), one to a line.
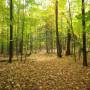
(44, 72)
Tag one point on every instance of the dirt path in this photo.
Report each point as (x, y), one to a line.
(44, 72)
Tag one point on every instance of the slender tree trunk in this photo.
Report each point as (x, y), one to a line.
(71, 27)
(23, 24)
(47, 45)
(11, 32)
(18, 27)
(7, 38)
(26, 45)
(84, 34)
(51, 41)
(22, 39)
(59, 51)
(2, 36)
(68, 42)
(31, 43)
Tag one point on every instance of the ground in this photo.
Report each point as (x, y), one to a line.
(44, 72)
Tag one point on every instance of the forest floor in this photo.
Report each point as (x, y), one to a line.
(45, 72)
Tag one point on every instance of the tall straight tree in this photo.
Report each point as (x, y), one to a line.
(23, 27)
(11, 32)
(84, 34)
(58, 44)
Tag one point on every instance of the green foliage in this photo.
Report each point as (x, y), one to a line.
(40, 15)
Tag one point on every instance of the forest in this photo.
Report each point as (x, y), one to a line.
(44, 44)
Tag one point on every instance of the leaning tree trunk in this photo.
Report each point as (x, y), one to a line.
(11, 32)
(71, 28)
(59, 51)
(84, 34)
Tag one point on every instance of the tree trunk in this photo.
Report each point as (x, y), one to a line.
(2, 36)
(68, 42)
(59, 51)
(71, 28)
(18, 32)
(47, 45)
(84, 34)
(23, 24)
(11, 32)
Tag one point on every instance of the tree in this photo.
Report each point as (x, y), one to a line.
(58, 44)
(68, 42)
(84, 34)
(23, 27)
(11, 32)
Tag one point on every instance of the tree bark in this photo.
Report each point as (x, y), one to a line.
(59, 51)
(11, 32)
(84, 34)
